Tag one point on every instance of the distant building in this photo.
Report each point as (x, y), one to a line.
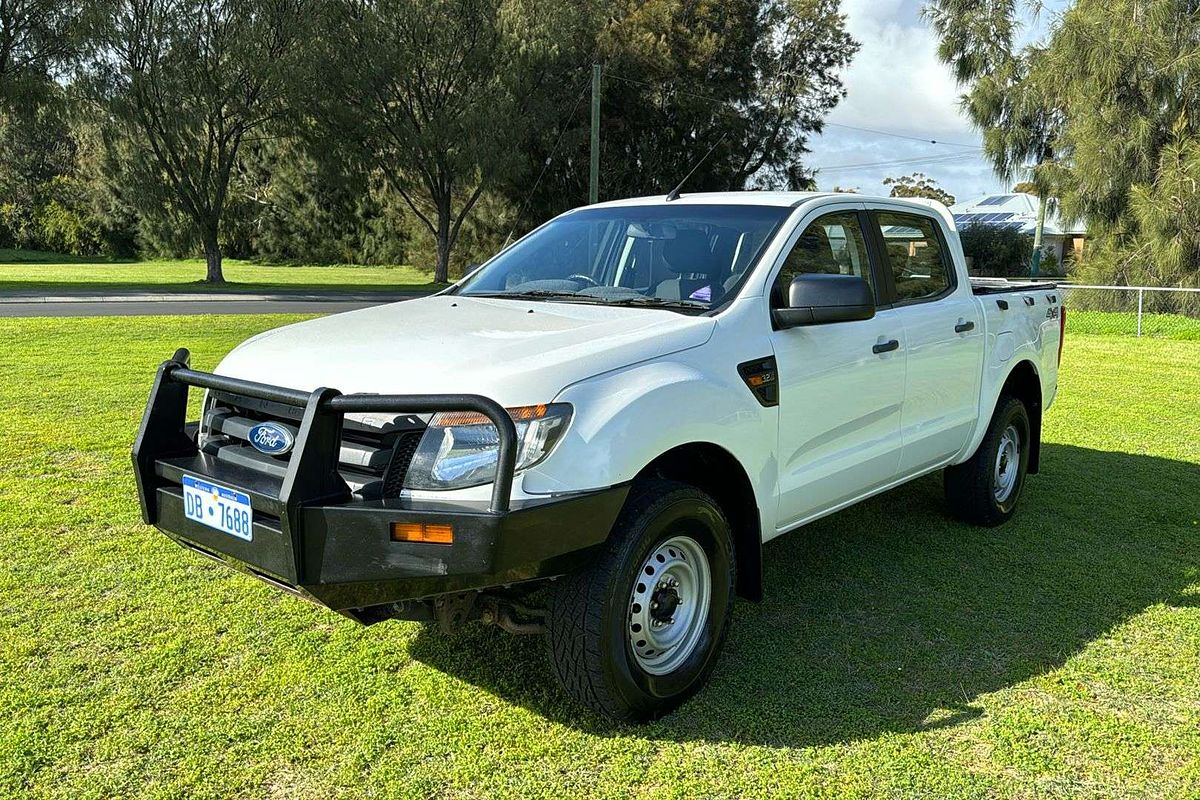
(1020, 211)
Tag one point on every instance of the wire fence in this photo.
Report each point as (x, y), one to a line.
(1133, 311)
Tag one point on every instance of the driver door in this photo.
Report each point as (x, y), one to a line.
(841, 385)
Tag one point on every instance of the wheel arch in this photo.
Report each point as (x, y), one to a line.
(714, 470)
(1025, 384)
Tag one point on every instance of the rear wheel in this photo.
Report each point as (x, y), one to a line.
(638, 632)
(984, 490)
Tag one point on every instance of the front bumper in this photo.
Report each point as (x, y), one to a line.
(312, 537)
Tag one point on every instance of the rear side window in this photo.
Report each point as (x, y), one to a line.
(832, 245)
(914, 255)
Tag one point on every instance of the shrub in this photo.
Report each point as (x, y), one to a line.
(996, 252)
(62, 220)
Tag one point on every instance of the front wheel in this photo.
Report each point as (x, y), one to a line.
(984, 489)
(638, 632)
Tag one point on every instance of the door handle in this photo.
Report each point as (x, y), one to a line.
(963, 327)
(886, 347)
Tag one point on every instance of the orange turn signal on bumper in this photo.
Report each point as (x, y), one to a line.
(422, 532)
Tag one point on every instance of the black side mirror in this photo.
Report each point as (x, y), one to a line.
(818, 299)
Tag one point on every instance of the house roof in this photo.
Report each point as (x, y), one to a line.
(1018, 211)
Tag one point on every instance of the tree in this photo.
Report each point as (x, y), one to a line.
(37, 37)
(293, 204)
(186, 83)
(35, 147)
(449, 90)
(680, 75)
(1025, 187)
(1106, 113)
(1008, 98)
(800, 50)
(919, 185)
(1132, 108)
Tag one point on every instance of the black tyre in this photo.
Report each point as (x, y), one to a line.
(639, 631)
(984, 490)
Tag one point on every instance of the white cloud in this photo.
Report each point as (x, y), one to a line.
(897, 84)
(896, 77)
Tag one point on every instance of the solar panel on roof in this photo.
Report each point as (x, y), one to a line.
(996, 200)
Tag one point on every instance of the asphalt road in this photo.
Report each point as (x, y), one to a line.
(134, 308)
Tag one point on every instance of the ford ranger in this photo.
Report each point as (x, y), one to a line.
(592, 435)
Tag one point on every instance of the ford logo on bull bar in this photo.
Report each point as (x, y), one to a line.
(272, 439)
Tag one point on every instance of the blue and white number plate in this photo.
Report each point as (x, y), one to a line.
(225, 509)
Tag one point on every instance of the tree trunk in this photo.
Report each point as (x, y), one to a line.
(441, 270)
(212, 258)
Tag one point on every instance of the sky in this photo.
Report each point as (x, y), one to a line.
(896, 84)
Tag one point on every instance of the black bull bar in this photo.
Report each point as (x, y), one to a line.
(313, 538)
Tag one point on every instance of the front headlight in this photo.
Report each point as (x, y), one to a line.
(459, 449)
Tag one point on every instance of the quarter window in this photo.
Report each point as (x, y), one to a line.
(833, 245)
(914, 254)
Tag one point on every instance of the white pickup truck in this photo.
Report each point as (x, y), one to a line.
(592, 435)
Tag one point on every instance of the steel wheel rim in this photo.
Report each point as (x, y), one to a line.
(676, 568)
(1008, 459)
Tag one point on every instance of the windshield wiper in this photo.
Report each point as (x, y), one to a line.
(658, 302)
(639, 300)
(536, 294)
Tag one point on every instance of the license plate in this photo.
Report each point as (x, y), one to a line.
(220, 507)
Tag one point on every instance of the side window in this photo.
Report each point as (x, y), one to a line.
(833, 245)
(914, 254)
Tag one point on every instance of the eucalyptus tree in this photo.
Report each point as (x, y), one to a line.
(437, 95)
(919, 184)
(756, 76)
(183, 85)
(38, 39)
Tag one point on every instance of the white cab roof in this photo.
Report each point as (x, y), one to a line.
(755, 198)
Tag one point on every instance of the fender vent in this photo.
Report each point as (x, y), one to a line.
(762, 377)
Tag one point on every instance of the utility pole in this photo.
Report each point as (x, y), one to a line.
(1037, 236)
(594, 173)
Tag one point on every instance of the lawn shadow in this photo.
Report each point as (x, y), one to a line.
(889, 617)
(36, 288)
(9, 255)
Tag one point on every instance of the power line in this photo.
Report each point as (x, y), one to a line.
(717, 101)
(553, 152)
(898, 162)
(901, 136)
(661, 85)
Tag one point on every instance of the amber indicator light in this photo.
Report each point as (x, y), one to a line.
(422, 532)
(762, 379)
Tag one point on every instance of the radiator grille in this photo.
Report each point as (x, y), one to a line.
(374, 455)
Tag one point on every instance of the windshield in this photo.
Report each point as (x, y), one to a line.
(682, 257)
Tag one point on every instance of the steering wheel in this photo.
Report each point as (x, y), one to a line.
(587, 281)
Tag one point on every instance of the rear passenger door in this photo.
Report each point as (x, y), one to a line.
(943, 335)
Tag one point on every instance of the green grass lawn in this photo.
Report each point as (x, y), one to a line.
(898, 654)
(34, 271)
